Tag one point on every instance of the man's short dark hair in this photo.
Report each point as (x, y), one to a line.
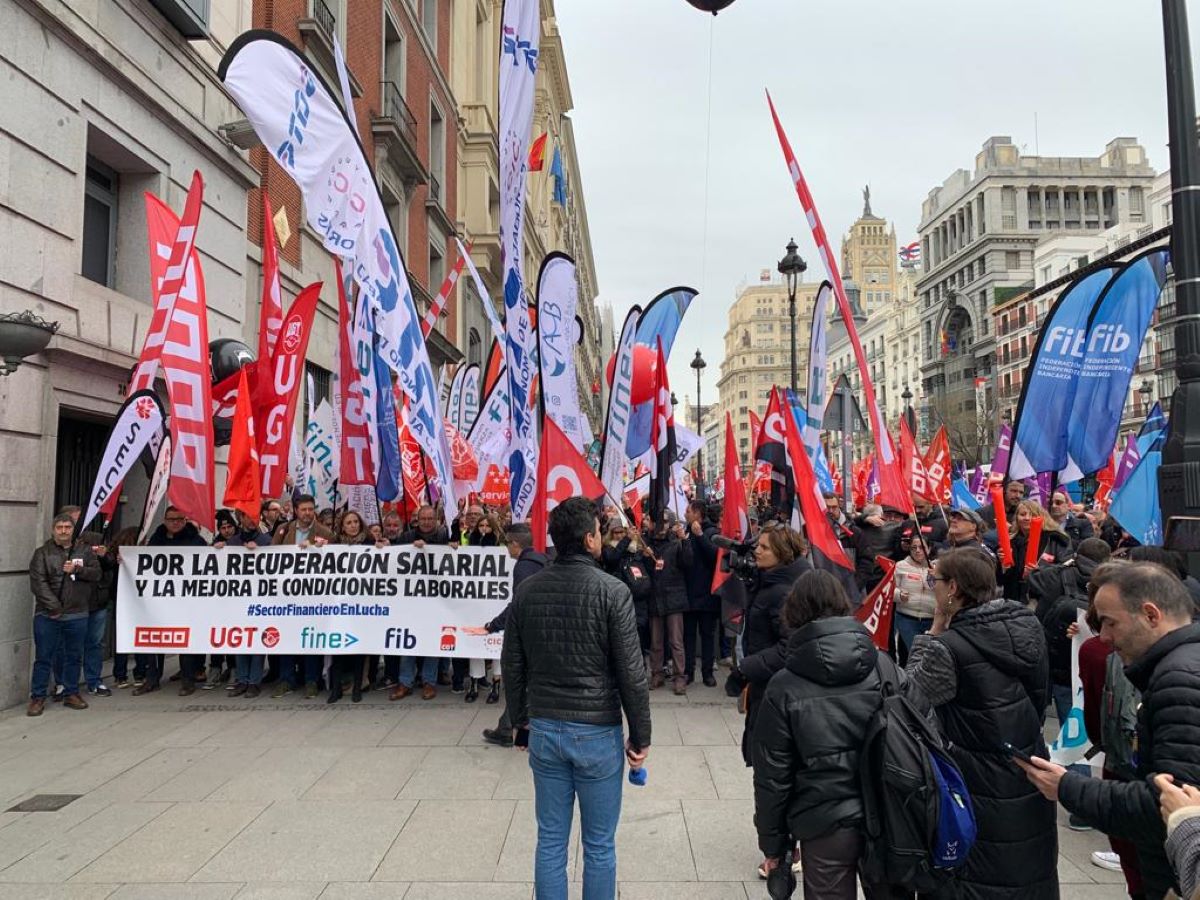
(1146, 582)
(1168, 559)
(830, 495)
(62, 517)
(973, 573)
(69, 509)
(519, 533)
(699, 507)
(1094, 549)
(305, 498)
(570, 522)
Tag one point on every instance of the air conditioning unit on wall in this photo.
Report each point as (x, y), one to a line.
(190, 17)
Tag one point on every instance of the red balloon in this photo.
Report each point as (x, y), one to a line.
(645, 362)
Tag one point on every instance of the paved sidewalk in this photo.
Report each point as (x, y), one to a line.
(211, 798)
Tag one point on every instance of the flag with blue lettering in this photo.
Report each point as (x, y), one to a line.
(560, 178)
(1040, 438)
(387, 478)
(1155, 421)
(1114, 340)
(818, 375)
(821, 467)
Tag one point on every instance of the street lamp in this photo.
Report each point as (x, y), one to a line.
(1178, 479)
(699, 365)
(791, 267)
(22, 334)
(907, 396)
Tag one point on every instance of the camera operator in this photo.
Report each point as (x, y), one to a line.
(779, 555)
(877, 533)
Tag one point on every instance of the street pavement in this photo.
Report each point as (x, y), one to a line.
(211, 798)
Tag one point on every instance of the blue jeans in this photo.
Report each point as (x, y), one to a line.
(310, 665)
(569, 760)
(1062, 708)
(249, 668)
(908, 627)
(93, 647)
(51, 637)
(429, 670)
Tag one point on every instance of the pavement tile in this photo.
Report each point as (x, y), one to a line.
(457, 891)
(174, 846)
(430, 848)
(516, 857)
(367, 773)
(698, 727)
(458, 773)
(101, 768)
(149, 774)
(713, 890)
(176, 892)
(355, 726)
(287, 773)
(516, 780)
(269, 891)
(20, 777)
(33, 830)
(1092, 892)
(730, 775)
(70, 851)
(313, 840)
(214, 768)
(679, 772)
(723, 840)
(201, 727)
(366, 890)
(652, 841)
(428, 725)
(664, 730)
(56, 891)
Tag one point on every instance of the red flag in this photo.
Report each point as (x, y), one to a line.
(858, 487)
(562, 473)
(279, 388)
(808, 492)
(357, 464)
(891, 479)
(662, 440)
(462, 457)
(735, 513)
(537, 153)
(1105, 478)
(185, 363)
(755, 431)
(913, 465)
(876, 610)
(772, 449)
(243, 484)
(836, 475)
(411, 458)
(938, 467)
(496, 487)
(270, 316)
(439, 302)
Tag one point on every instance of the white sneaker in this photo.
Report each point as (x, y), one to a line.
(1106, 860)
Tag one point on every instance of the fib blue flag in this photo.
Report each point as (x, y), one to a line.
(560, 178)
(1114, 340)
(1040, 440)
(821, 467)
(659, 321)
(1155, 421)
(961, 496)
(1136, 505)
(387, 480)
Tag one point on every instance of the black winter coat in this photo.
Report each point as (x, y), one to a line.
(809, 734)
(765, 604)
(871, 541)
(530, 562)
(670, 582)
(1002, 689)
(1052, 543)
(699, 564)
(188, 536)
(1078, 528)
(1168, 732)
(571, 650)
(1060, 592)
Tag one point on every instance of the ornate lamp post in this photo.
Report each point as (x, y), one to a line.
(907, 396)
(699, 365)
(791, 267)
(22, 334)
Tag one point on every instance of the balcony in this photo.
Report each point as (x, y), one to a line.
(434, 206)
(395, 128)
(318, 31)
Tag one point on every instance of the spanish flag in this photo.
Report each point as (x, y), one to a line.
(537, 154)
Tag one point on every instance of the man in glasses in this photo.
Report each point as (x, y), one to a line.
(1078, 528)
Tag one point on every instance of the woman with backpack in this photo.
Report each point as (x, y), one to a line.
(983, 667)
(806, 778)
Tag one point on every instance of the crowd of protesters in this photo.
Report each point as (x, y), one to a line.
(983, 648)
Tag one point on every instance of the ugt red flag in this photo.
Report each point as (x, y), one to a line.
(735, 513)
(938, 467)
(357, 464)
(243, 484)
(275, 404)
(876, 611)
(808, 492)
(562, 473)
(891, 480)
(662, 441)
(270, 318)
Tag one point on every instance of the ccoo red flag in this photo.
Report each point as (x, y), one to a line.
(562, 473)
(876, 611)
(913, 465)
(735, 513)
(938, 466)
(243, 485)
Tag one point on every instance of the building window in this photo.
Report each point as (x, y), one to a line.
(437, 153)
(1137, 205)
(437, 267)
(99, 223)
(395, 61)
(474, 348)
(1012, 259)
(429, 17)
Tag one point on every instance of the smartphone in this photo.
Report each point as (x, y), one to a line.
(1013, 753)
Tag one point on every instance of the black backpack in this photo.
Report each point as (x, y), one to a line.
(917, 815)
(636, 573)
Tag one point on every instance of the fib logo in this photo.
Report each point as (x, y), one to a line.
(400, 639)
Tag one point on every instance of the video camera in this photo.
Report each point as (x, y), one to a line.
(738, 559)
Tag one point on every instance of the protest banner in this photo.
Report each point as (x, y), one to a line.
(405, 601)
(1071, 744)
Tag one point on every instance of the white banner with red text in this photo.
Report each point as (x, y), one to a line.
(402, 601)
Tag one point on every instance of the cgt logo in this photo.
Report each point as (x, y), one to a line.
(159, 638)
(237, 637)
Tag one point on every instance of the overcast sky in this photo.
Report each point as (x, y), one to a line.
(897, 95)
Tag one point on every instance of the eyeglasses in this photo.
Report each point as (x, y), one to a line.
(932, 578)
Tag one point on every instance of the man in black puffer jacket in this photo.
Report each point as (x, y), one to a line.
(668, 603)
(1145, 613)
(572, 662)
(704, 607)
(175, 531)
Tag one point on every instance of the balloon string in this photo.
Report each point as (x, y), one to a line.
(707, 154)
